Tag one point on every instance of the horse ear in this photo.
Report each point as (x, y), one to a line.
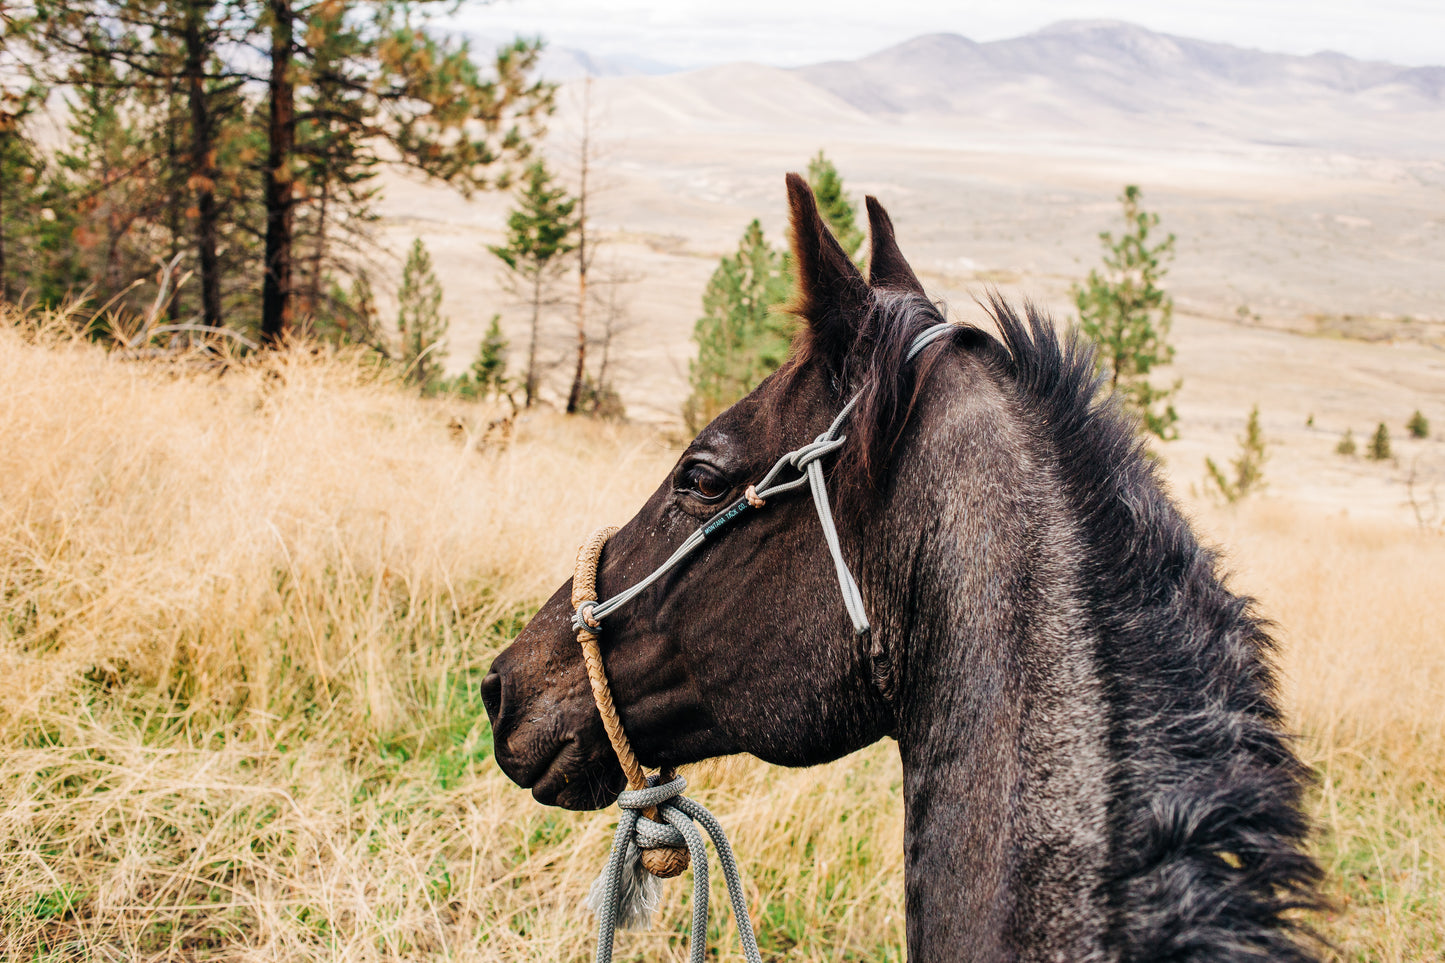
(886, 266)
(831, 293)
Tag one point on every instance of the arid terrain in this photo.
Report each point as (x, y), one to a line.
(1310, 267)
(244, 614)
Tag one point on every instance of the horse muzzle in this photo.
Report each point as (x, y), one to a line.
(546, 734)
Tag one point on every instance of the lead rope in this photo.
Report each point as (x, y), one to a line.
(644, 851)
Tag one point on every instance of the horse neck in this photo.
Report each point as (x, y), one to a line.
(1093, 762)
(1000, 724)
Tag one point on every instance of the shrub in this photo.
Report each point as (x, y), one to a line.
(1347, 444)
(1127, 315)
(1418, 426)
(1248, 467)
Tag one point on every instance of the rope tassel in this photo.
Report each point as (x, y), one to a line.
(626, 894)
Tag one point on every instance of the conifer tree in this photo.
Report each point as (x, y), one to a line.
(834, 205)
(1379, 447)
(420, 323)
(540, 232)
(154, 65)
(742, 336)
(21, 175)
(350, 81)
(1248, 467)
(1125, 313)
(489, 369)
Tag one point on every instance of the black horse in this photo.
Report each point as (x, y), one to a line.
(1094, 763)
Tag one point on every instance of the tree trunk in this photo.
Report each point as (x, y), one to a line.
(532, 344)
(574, 397)
(174, 307)
(203, 165)
(318, 252)
(276, 306)
(4, 277)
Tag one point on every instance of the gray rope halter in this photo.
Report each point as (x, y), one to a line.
(808, 462)
(626, 893)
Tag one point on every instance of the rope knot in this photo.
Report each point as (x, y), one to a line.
(664, 848)
(582, 618)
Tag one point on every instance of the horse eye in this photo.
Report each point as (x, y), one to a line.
(703, 482)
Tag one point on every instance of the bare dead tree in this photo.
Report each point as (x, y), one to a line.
(612, 305)
(1429, 514)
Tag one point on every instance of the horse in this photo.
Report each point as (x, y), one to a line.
(1095, 765)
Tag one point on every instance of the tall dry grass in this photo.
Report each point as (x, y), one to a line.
(241, 620)
(1360, 614)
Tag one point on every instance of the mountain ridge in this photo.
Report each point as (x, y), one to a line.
(1114, 63)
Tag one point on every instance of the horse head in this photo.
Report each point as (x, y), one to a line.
(746, 647)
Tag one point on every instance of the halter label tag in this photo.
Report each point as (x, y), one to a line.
(724, 517)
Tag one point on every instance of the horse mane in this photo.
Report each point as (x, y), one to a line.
(1206, 826)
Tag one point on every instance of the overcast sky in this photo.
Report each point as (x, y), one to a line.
(790, 32)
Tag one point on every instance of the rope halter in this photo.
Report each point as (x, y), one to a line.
(807, 461)
(656, 833)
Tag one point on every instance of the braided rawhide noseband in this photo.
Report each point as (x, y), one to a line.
(663, 863)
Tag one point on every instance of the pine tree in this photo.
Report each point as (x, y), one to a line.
(1418, 426)
(351, 81)
(1379, 448)
(22, 171)
(1125, 313)
(350, 316)
(1248, 467)
(1347, 446)
(540, 232)
(151, 70)
(741, 337)
(489, 370)
(834, 205)
(421, 325)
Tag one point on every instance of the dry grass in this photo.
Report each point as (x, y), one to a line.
(241, 621)
(1361, 618)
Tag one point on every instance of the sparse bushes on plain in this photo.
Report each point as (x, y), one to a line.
(1248, 467)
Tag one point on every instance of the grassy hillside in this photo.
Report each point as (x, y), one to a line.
(242, 616)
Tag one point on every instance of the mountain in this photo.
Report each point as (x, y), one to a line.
(559, 64)
(1100, 82)
(1107, 78)
(1112, 64)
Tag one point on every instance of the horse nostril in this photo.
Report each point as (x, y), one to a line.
(492, 698)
